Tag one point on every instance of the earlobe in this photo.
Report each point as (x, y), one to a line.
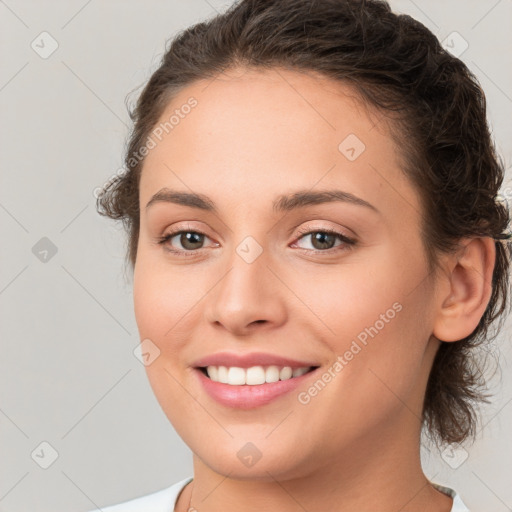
(469, 285)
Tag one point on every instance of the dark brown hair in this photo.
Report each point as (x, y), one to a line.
(439, 117)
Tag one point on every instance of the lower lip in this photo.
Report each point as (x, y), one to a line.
(246, 396)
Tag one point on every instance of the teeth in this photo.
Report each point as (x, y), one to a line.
(254, 375)
(297, 372)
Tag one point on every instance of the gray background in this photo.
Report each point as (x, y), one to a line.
(69, 377)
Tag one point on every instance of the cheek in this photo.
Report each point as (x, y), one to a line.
(377, 367)
(150, 304)
(378, 316)
(162, 298)
(365, 293)
(163, 314)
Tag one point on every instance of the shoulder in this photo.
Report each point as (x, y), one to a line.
(159, 501)
(458, 504)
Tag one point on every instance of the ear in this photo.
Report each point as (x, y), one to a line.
(466, 289)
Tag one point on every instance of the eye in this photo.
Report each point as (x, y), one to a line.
(325, 238)
(191, 241)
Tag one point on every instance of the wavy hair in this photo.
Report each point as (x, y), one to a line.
(438, 118)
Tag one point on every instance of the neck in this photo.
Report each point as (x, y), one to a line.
(382, 474)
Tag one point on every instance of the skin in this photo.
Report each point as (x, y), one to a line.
(355, 446)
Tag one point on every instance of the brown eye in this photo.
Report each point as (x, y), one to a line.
(190, 241)
(323, 240)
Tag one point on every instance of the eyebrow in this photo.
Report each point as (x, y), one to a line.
(283, 203)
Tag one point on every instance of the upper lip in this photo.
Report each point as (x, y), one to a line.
(232, 359)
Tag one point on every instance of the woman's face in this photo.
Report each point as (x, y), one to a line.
(258, 274)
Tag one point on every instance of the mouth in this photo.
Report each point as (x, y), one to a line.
(251, 379)
(254, 375)
(235, 387)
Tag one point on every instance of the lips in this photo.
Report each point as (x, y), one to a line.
(244, 389)
(250, 397)
(232, 359)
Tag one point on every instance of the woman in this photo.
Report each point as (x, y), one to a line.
(318, 248)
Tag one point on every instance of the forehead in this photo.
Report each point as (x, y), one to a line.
(266, 132)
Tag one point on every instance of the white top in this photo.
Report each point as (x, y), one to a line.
(165, 500)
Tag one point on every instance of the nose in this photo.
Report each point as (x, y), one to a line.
(247, 297)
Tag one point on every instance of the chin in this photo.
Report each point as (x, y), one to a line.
(260, 460)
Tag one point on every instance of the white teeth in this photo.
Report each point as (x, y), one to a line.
(236, 376)
(272, 374)
(297, 372)
(222, 374)
(254, 375)
(213, 372)
(285, 373)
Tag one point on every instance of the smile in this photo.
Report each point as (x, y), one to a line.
(248, 388)
(253, 376)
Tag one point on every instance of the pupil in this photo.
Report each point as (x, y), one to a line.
(320, 237)
(188, 238)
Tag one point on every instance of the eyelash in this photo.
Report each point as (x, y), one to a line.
(348, 242)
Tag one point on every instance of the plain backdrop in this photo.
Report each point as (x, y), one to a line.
(79, 424)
